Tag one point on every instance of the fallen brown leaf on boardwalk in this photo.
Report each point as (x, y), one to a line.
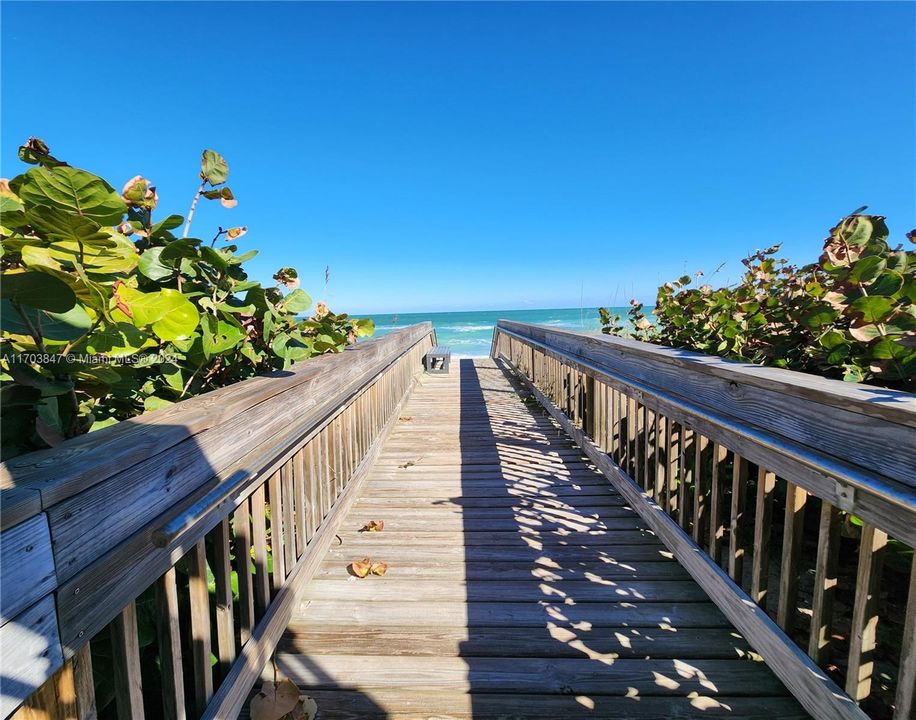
(379, 568)
(373, 526)
(405, 418)
(274, 700)
(409, 463)
(360, 568)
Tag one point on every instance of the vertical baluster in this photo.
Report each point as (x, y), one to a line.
(672, 438)
(299, 481)
(660, 461)
(200, 625)
(685, 478)
(648, 459)
(259, 543)
(84, 685)
(736, 549)
(168, 633)
(864, 625)
(241, 526)
(700, 443)
(825, 581)
(716, 525)
(287, 500)
(763, 523)
(275, 499)
(125, 648)
(222, 576)
(904, 703)
(792, 537)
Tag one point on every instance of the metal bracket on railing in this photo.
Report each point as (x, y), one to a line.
(845, 497)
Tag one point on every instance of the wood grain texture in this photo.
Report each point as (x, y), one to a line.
(808, 683)
(503, 579)
(34, 638)
(26, 566)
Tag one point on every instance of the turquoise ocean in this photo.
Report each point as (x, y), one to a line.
(469, 333)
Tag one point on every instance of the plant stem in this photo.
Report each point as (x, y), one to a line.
(187, 225)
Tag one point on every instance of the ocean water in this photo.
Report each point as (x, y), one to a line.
(469, 333)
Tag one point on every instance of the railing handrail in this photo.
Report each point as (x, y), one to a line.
(677, 434)
(896, 406)
(40, 479)
(125, 504)
(883, 493)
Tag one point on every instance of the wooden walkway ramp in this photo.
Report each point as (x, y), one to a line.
(520, 584)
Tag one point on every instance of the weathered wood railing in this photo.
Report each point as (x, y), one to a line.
(702, 448)
(114, 537)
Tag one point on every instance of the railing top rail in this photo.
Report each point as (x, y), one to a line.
(40, 479)
(893, 405)
(852, 455)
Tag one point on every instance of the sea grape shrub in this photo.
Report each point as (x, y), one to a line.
(850, 315)
(106, 313)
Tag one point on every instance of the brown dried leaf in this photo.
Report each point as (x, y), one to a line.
(373, 526)
(274, 701)
(360, 568)
(379, 568)
(405, 418)
(409, 463)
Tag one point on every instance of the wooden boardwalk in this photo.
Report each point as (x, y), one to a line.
(520, 584)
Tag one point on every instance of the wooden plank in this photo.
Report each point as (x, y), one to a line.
(90, 459)
(222, 576)
(878, 424)
(716, 497)
(38, 653)
(55, 700)
(168, 633)
(233, 693)
(763, 520)
(277, 536)
(299, 480)
(416, 704)
(455, 641)
(26, 566)
(84, 684)
(413, 590)
(19, 503)
(700, 506)
(527, 675)
(289, 527)
(532, 614)
(863, 634)
(241, 527)
(125, 660)
(879, 499)
(736, 549)
(259, 545)
(905, 700)
(807, 682)
(792, 538)
(200, 626)
(825, 583)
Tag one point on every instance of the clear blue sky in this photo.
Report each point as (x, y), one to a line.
(463, 156)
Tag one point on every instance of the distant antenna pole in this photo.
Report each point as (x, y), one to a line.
(327, 277)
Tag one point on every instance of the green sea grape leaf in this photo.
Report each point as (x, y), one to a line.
(39, 290)
(219, 336)
(297, 301)
(71, 190)
(61, 327)
(118, 340)
(213, 167)
(151, 266)
(58, 224)
(180, 319)
(872, 308)
(867, 269)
